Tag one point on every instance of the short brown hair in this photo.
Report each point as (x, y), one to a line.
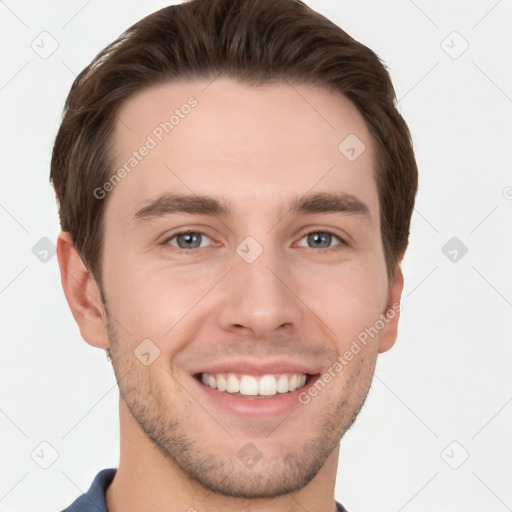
(255, 42)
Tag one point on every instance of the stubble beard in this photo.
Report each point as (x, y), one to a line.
(272, 476)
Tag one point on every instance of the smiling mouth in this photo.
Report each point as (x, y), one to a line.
(251, 386)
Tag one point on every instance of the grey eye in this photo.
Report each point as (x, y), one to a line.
(190, 240)
(319, 239)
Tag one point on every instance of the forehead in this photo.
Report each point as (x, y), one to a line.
(252, 146)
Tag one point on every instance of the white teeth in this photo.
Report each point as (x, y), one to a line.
(233, 384)
(221, 383)
(282, 384)
(267, 386)
(249, 385)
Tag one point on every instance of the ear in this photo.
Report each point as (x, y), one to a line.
(389, 332)
(82, 293)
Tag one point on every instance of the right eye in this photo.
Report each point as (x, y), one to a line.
(186, 241)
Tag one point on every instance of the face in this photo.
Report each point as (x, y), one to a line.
(242, 263)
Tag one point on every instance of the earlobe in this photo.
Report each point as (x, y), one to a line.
(82, 293)
(389, 332)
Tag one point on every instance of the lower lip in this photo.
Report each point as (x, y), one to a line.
(252, 407)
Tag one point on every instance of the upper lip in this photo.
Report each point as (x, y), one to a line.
(253, 368)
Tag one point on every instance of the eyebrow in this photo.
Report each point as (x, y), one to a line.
(321, 202)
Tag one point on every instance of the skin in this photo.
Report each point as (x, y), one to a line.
(255, 148)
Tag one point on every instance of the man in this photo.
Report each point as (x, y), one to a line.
(235, 188)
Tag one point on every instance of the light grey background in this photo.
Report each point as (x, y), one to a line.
(441, 394)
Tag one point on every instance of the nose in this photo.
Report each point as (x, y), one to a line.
(259, 298)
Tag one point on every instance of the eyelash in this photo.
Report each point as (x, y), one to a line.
(192, 252)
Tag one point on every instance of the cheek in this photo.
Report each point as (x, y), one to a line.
(150, 299)
(348, 299)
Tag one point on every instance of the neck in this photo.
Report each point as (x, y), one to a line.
(147, 480)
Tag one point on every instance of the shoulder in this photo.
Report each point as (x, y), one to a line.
(94, 499)
(340, 508)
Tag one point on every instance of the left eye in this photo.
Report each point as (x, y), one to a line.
(321, 239)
